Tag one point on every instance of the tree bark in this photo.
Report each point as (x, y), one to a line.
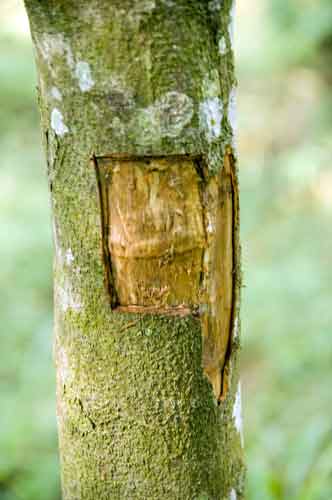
(137, 111)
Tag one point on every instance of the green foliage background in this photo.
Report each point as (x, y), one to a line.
(285, 143)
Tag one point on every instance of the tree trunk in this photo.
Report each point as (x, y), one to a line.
(137, 107)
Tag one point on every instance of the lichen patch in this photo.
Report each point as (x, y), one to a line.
(211, 114)
(57, 123)
(84, 76)
(237, 412)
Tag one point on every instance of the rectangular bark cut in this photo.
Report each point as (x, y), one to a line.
(168, 243)
(156, 234)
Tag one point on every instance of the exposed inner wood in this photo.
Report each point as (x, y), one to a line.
(156, 236)
(169, 242)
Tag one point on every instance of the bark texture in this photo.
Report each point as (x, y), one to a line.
(147, 382)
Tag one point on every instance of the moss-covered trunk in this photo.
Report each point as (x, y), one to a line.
(137, 107)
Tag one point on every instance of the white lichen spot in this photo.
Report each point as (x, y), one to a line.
(211, 114)
(222, 47)
(237, 412)
(173, 112)
(67, 298)
(57, 123)
(232, 495)
(84, 76)
(69, 257)
(56, 94)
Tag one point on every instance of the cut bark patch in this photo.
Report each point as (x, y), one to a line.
(168, 244)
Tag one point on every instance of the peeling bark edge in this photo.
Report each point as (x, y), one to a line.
(227, 368)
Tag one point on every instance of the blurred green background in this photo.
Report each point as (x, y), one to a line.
(284, 63)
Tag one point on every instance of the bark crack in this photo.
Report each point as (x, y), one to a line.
(93, 424)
